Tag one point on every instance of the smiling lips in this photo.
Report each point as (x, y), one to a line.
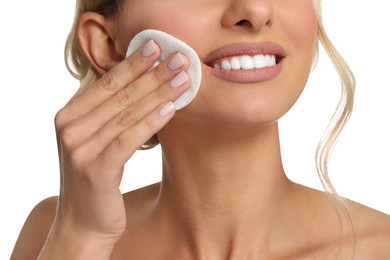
(246, 63)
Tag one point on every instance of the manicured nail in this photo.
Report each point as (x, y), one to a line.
(176, 62)
(179, 80)
(167, 109)
(148, 49)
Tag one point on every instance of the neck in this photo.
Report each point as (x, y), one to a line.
(221, 189)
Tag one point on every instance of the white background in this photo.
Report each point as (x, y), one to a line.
(34, 84)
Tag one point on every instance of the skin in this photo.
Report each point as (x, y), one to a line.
(215, 201)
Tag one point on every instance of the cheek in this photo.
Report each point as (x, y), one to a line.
(178, 20)
(299, 23)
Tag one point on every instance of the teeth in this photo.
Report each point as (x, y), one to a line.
(225, 65)
(246, 62)
(235, 63)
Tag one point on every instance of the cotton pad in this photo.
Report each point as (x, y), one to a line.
(169, 45)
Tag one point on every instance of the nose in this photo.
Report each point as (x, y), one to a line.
(250, 15)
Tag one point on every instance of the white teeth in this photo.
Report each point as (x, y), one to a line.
(247, 62)
(235, 63)
(226, 65)
(259, 61)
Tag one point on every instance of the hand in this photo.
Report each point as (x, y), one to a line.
(99, 130)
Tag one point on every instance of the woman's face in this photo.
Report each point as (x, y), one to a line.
(219, 30)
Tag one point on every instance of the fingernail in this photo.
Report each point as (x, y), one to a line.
(167, 109)
(148, 49)
(176, 62)
(179, 80)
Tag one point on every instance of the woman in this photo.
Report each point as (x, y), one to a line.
(224, 193)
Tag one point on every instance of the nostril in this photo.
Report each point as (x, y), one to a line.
(243, 22)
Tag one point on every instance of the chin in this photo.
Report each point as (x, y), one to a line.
(234, 112)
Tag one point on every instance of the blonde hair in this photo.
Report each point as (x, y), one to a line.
(339, 119)
(81, 69)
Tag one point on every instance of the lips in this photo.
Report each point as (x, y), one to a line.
(246, 62)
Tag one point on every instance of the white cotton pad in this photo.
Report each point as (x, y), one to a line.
(169, 45)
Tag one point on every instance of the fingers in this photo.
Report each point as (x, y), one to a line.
(144, 85)
(119, 77)
(122, 147)
(137, 90)
(85, 112)
(122, 110)
(133, 126)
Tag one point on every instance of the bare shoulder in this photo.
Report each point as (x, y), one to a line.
(35, 230)
(370, 239)
(373, 233)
